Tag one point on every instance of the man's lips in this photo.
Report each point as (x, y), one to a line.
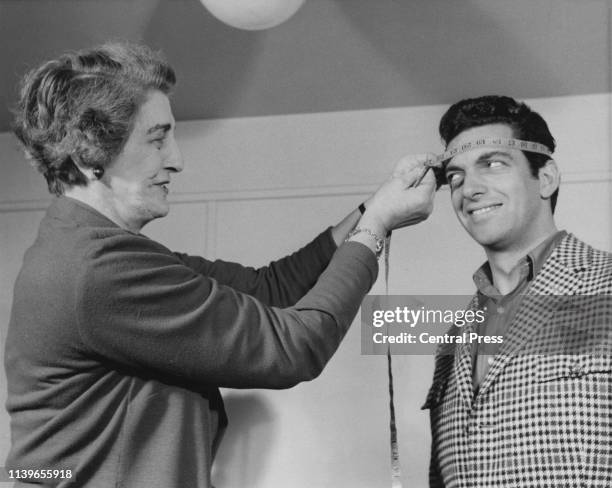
(482, 209)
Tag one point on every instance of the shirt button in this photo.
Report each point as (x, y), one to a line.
(490, 361)
(501, 309)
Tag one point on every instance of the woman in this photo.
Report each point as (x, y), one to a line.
(117, 346)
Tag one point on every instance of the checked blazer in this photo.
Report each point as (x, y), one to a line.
(542, 416)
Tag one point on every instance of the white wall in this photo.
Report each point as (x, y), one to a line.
(256, 188)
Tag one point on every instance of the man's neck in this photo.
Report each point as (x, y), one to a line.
(503, 263)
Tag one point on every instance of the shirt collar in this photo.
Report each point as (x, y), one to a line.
(530, 265)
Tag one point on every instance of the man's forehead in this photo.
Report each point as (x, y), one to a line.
(482, 140)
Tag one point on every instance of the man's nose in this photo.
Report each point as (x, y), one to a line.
(473, 184)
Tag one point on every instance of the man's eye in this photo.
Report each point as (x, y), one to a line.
(454, 179)
(495, 163)
(158, 143)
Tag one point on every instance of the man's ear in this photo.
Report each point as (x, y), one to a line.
(550, 178)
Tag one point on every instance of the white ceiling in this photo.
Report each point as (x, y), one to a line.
(333, 54)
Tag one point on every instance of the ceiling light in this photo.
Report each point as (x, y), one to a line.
(252, 14)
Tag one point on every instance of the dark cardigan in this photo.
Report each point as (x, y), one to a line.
(116, 345)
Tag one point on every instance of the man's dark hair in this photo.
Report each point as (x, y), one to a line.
(492, 109)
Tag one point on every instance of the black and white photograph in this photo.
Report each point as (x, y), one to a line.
(306, 244)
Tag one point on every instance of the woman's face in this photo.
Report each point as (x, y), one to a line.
(139, 177)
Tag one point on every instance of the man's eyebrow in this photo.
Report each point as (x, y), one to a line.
(488, 155)
(158, 127)
(483, 157)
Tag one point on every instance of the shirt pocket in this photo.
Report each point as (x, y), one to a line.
(569, 367)
(574, 401)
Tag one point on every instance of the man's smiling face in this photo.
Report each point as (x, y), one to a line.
(493, 192)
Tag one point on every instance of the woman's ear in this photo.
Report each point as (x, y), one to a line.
(91, 174)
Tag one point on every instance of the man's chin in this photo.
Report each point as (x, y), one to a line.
(489, 240)
(484, 233)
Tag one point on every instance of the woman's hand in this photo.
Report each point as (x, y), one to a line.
(398, 202)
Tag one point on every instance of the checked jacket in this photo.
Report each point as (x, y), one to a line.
(542, 416)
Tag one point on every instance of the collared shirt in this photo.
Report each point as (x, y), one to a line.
(501, 309)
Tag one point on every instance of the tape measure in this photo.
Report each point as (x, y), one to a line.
(506, 143)
(490, 142)
(437, 161)
(396, 470)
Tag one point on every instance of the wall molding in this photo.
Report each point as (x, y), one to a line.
(280, 193)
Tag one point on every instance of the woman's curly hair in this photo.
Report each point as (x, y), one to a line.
(79, 109)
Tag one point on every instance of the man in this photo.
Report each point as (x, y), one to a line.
(535, 410)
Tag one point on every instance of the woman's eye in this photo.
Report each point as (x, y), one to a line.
(158, 143)
(494, 163)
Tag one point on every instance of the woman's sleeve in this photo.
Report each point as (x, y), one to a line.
(282, 283)
(141, 308)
